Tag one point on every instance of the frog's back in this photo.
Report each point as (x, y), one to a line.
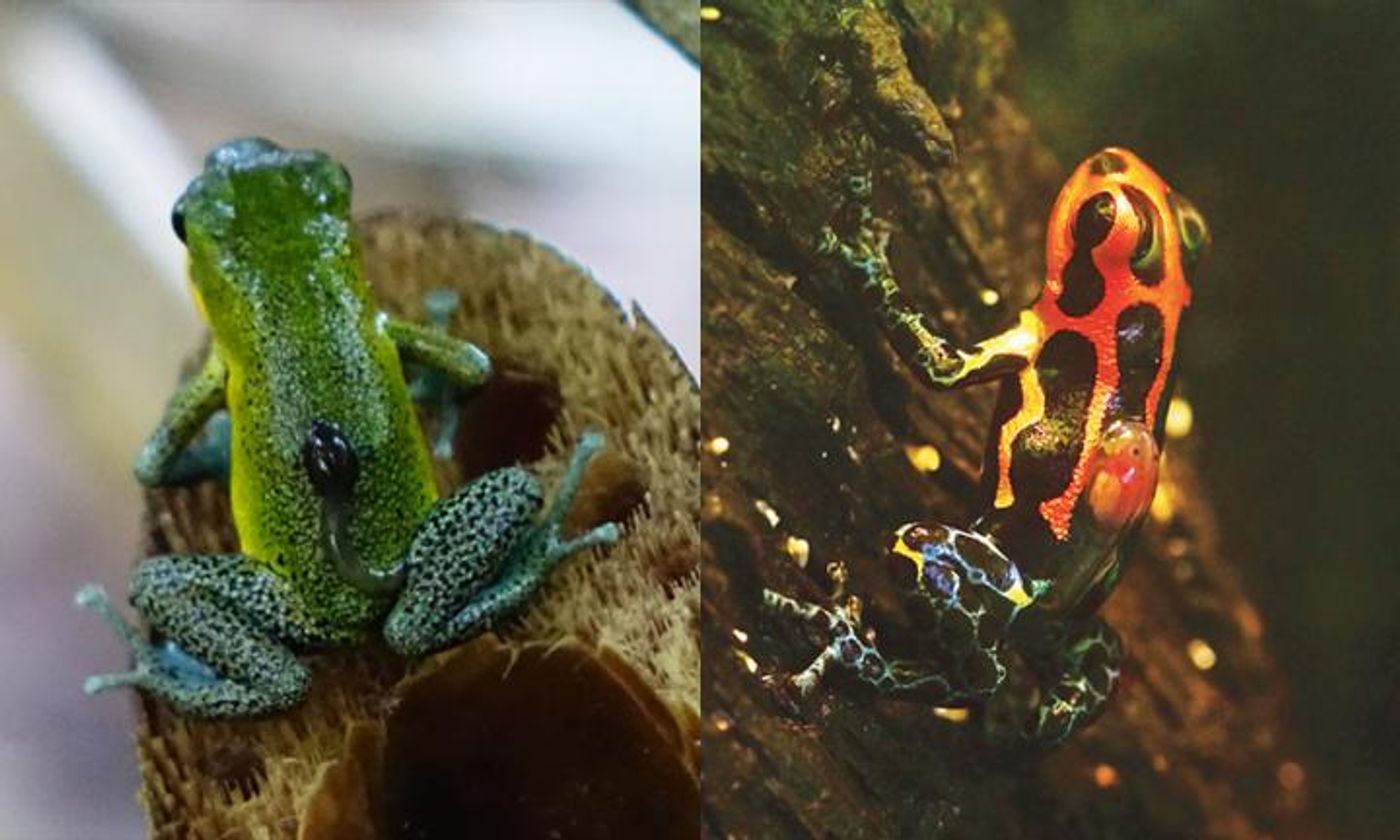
(322, 359)
(1119, 247)
(276, 270)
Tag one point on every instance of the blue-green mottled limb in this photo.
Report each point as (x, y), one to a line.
(194, 401)
(1088, 669)
(463, 362)
(431, 385)
(229, 625)
(207, 456)
(482, 554)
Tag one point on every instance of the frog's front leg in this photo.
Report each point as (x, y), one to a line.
(160, 460)
(207, 456)
(482, 553)
(447, 364)
(226, 622)
(939, 361)
(431, 385)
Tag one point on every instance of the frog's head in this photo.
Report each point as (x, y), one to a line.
(260, 213)
(1117, 222)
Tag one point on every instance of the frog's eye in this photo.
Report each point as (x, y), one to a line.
(1107, 162)
(1094, 220)
(1195, 236)
(1147, 256)
(177, 221)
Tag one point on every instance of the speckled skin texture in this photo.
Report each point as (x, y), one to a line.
(299, 345)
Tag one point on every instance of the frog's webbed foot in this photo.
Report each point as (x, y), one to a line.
(481, 555)
(1082, 675)
(149, 661)
(224, 619)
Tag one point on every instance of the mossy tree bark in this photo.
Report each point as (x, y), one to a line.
(897, 115)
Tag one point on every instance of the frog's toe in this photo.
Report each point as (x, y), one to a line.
(99, 683)
(605, 534)
(440, 304)
(589, 443)
(90, 596)
(94, 598)
(807, 681)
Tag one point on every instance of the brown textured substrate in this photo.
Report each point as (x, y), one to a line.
(609, 649)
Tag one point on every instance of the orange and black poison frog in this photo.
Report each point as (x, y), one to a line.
(1071, 461)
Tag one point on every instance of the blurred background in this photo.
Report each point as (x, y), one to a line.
(1282, 122)
(569, 120)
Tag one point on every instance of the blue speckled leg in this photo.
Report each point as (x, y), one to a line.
(963, 593)
(482, 554)
(226, 622)
(190, 408)
(964, 673)
(443, 374)
(1086, 672)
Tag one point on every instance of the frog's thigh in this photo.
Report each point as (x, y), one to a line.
(854, 650)
(233, 616)
(460, 547)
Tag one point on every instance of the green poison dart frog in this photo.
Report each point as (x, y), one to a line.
(1071, 461)
(340, 527)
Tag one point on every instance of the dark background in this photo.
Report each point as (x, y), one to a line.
(1282, 122)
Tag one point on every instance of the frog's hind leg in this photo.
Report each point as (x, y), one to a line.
(964, 593)
(851, 649)
(481, 555)
(1085, 673)
(225, 620)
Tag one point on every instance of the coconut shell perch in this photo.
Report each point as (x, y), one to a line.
(581, 717)
(818, 441)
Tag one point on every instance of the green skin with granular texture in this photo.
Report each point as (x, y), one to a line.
(340, 527)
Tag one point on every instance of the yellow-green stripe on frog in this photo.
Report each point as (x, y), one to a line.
(341, 531)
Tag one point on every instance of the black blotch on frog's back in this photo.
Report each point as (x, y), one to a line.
(1083, 284)
(1140, 338)
(1043, 455)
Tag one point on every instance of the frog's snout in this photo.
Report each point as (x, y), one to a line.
(239, 150)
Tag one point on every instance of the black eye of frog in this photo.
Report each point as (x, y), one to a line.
(177, 221)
